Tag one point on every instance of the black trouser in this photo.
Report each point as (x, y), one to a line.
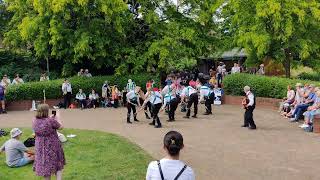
(94, 103)
(207, 103)
(155, 112)
(82, 103)
(193, 99)
(116, 103)
(67, 100)
(219, 79)
(248, 117)
(172, 108)
(148, 106)
(132, 106)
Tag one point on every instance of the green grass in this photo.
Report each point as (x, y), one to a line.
(91, 155)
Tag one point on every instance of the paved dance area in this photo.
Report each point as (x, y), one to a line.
(215, 146)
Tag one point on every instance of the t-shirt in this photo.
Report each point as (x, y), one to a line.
(132, 96)
(155, 98)
(2, 90)
(187, 91)
(14, 151)
(170, 169)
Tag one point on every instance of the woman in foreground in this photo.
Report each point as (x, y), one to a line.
(49, 158)
(170, 167)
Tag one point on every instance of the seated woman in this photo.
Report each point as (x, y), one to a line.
(115, 96)
(170, 167)
(312, 111)
(94, 99)
(299, 97)
(287, 101)
(81, 98)
(17, 154)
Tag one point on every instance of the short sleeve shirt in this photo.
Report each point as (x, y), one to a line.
(14, 150)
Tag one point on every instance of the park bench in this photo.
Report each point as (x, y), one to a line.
(316, 124)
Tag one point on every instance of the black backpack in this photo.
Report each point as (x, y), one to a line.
(3, 133)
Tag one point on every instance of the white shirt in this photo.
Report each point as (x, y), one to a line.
(290, 95)
(219, 69)
(167, 89)
(187, 91)
(155, 98)
(235, 70)
(17, 81)
(81, 96)
(5, 82)
(66, 87)
(132, 95)
(170, 169)
(251, 98)
(93, 96)
(167, 98)
(204, 92)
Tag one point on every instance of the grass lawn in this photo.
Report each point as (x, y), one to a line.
(90, 155)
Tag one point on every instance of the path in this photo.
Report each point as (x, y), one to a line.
(217, 147)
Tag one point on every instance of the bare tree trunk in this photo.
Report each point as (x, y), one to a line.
(287, 63)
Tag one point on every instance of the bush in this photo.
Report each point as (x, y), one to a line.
(34, 90)
(309, 76)
(262, 86)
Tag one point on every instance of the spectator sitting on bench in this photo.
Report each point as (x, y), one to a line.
(93, 98)
(299, 97)
(311, 112)
(301, 108)
(81, 98)
(17, 154)
(287, 101)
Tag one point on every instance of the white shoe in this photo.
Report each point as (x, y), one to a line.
(304, 126)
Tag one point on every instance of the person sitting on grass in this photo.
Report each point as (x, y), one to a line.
(93, 98)
(170, 167)
(311, 112)
(17, 154)
(81, 98)
(301, 108)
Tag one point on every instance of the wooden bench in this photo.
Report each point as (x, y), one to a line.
(316, 124)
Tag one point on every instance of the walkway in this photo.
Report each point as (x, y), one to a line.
(216, 147)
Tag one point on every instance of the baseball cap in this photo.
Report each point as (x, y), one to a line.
(15, 132)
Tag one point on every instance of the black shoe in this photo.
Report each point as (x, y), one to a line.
(158, 126)
(244, 126)
(129, 122)
(136, 120)
(252, 128)
(4, 112)
(152, 124)
(186, 117)
(194, 116)
(207, 113)
(170, 120)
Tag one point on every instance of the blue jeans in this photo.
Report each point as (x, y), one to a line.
(24, 161)
(301, 108)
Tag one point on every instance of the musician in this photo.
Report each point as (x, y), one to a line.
(155, 99)
(171, 101)
(189, 94)
(249, 104)
(132, 102)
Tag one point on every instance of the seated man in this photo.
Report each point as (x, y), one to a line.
(81, 98)
(301, 108)
(94, 99)
(17, 154)
(312, 111)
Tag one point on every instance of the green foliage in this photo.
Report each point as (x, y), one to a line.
(91, 155)
(34, 90)
(262, 86)
(280, 29)
(309, 76)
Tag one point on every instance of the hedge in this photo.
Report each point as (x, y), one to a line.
(34, 90)
(309, 76)
(262, 86)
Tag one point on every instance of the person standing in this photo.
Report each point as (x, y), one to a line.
(17, 80)
(205, 95)
(261, 70)
(220, 73)
(5, 82)
(17, 154)
(148, 103)
(132, 102)
(2, 99)
(67, 93)
(249, 105)
(130, 85)
(171, 101)
(155, 99)
(190, 95)
(170, 167)
(49, 156)
(44, 77)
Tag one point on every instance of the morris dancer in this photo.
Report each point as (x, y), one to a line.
(206, 97)
(171, 100)
(132, 102)
(155, 99)
(249, 104)
(130, 85)
(190, 95)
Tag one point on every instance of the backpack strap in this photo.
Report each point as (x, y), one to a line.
(160, 170)
(182, 170)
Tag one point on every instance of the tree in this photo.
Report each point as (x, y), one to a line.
(280, 29)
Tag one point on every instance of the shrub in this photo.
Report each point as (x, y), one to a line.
(34, 90)
(262, 86)
(309, 76)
